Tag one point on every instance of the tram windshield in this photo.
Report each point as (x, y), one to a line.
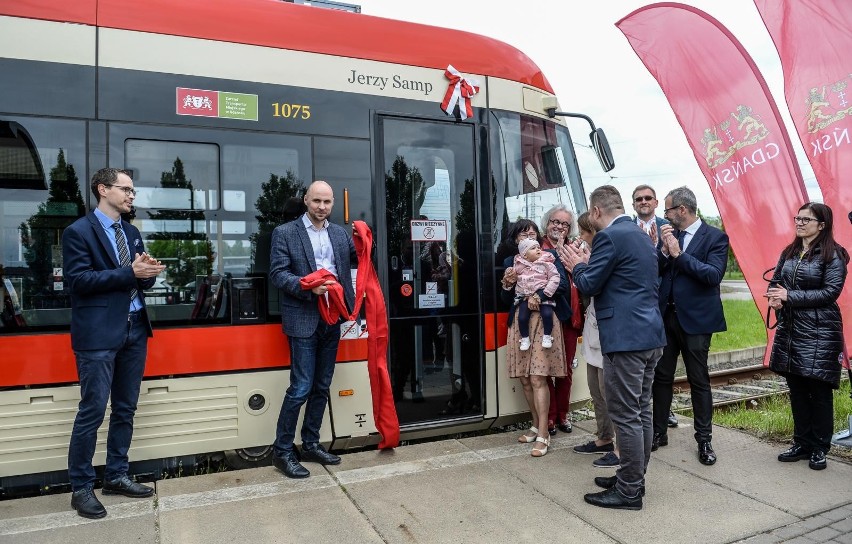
(534, 168)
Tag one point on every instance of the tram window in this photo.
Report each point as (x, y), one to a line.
(345, 164)
(177, 186)
(259, 175)
(534, 169)
(20, 165)
(33, 215)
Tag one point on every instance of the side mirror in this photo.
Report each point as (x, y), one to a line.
(601, 146)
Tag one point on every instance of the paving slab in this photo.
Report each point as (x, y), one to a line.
(678, 506)
(474, 503)
(750, 467)
(323, 514)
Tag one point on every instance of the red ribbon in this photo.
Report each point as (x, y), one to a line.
(459, 91)
(333, 307)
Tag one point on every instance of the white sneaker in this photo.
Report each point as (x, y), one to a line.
(525, 343)
(547, 341)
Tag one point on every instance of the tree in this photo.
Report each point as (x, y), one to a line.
(42, 232)
(272, 208)
(189, 253)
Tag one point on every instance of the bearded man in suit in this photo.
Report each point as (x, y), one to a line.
(692, 261)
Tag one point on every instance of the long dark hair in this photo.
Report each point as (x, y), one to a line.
(824, 239)
(509, 247)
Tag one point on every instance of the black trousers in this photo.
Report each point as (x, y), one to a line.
(812, 402)
(694, 349)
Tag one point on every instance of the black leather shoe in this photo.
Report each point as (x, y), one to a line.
(127, 487)
(706, 455)
(290, 466)
(612, 498)
(317, 454)
(86, 504)
(608, 482)
(672, 420)
(565, 426)
(659, 441)
(795, 453)
(551, 430)
(817, 461)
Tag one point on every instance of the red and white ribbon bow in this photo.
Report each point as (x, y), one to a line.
(460, 88)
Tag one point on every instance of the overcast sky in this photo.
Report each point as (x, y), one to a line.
(593, 70)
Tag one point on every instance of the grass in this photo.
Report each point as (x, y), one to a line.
(746, 328)
(772, 419)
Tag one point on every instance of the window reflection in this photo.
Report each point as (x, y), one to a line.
(534, 169)
(32, 217)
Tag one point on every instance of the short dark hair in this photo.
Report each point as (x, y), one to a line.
(105, 176)
(683, 196)
(606, 198)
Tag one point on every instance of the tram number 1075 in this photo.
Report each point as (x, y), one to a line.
(291, 111)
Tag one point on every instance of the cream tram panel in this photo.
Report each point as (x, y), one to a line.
(133, 50)
(27, 39)
(181, 416)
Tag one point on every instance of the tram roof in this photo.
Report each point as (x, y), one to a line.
(272, 23)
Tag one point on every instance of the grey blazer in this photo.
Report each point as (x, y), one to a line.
(291, 259)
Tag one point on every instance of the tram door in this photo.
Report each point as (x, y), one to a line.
(429, 265)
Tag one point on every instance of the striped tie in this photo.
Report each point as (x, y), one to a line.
(123, 254)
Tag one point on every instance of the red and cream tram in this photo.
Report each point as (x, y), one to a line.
(222, 111)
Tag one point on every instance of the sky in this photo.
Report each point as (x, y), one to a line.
(593, 70)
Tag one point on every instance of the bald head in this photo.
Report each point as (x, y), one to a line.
(319, 200)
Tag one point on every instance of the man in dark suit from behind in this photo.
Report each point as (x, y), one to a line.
(692, 261)
(621, 273)
(298, 249)
(106, 268)
(645, 205)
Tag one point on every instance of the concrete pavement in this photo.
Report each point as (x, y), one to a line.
(481, 489)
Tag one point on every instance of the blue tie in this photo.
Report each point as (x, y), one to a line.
(123, 254)
(681, 235)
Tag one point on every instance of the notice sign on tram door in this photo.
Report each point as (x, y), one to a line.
(424, 230)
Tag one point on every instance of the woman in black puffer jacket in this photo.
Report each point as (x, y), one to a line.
(808, 342)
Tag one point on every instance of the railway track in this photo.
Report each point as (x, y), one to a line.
(730, 386)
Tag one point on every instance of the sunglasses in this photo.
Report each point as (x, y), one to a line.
(646, 198)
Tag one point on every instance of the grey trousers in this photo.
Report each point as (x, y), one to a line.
(595, 379)
(628, 376)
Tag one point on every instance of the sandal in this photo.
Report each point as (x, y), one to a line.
(543, 451)
(526, 438)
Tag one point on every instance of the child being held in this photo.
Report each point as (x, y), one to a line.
(537, 278)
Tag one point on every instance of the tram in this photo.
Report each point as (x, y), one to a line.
(223, 111)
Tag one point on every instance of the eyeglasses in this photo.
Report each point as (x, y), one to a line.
(129, 191)
(667, 210)
(558, 223)
(533, 235)
(646, 198)
(803, 220)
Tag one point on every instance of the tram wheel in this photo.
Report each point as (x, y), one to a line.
(240, 459)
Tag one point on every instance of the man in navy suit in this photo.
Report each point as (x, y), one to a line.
(692, 261)
(106, 268)
(300, 248)
(621, 273)
(645, 205)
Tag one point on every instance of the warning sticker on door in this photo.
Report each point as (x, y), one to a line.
(428, 231)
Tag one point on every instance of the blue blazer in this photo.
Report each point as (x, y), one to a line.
(622, 276)
(100, 287)
(693, 279)
(292, 258)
